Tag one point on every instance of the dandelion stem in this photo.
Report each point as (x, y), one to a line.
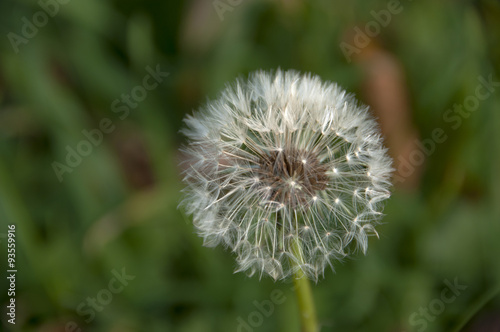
(305, 300)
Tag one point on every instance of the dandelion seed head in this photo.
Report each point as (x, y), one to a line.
(284, 160)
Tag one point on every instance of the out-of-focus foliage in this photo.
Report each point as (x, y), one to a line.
(117, 208)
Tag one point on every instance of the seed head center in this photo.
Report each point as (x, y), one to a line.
(293, 176)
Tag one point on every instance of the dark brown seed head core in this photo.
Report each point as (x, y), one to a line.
(291, 176)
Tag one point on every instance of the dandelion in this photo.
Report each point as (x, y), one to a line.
(288, 172)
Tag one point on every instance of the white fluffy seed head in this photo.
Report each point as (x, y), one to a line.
(287, 171)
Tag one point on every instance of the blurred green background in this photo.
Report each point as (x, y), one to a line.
(116, 207)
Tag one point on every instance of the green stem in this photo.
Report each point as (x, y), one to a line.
(305, 300)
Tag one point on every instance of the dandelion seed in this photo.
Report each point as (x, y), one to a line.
(259, 157)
